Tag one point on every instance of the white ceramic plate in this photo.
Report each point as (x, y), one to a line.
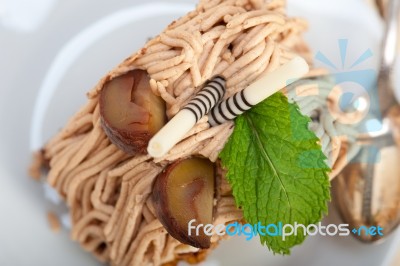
(46, 72)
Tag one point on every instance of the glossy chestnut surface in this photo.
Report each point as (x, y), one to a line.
(182, 192)
(130, 113)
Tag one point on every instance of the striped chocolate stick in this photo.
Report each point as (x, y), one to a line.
(174, 131)
(258, 91)
(207, 98)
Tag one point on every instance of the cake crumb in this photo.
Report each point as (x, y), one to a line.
(35, 169)
(54, 222)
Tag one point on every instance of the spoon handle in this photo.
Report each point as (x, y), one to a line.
(389, 51)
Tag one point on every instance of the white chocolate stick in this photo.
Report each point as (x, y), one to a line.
(185, 119)
(258, 91)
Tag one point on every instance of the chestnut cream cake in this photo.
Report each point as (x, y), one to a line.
(190, 88)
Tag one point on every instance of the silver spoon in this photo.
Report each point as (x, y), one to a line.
(367, 191)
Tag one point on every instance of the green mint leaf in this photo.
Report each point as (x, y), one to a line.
(277, 169)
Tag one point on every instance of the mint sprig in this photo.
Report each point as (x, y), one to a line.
(277, 169)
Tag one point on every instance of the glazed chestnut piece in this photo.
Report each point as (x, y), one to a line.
(130, 113)
(182, 192)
